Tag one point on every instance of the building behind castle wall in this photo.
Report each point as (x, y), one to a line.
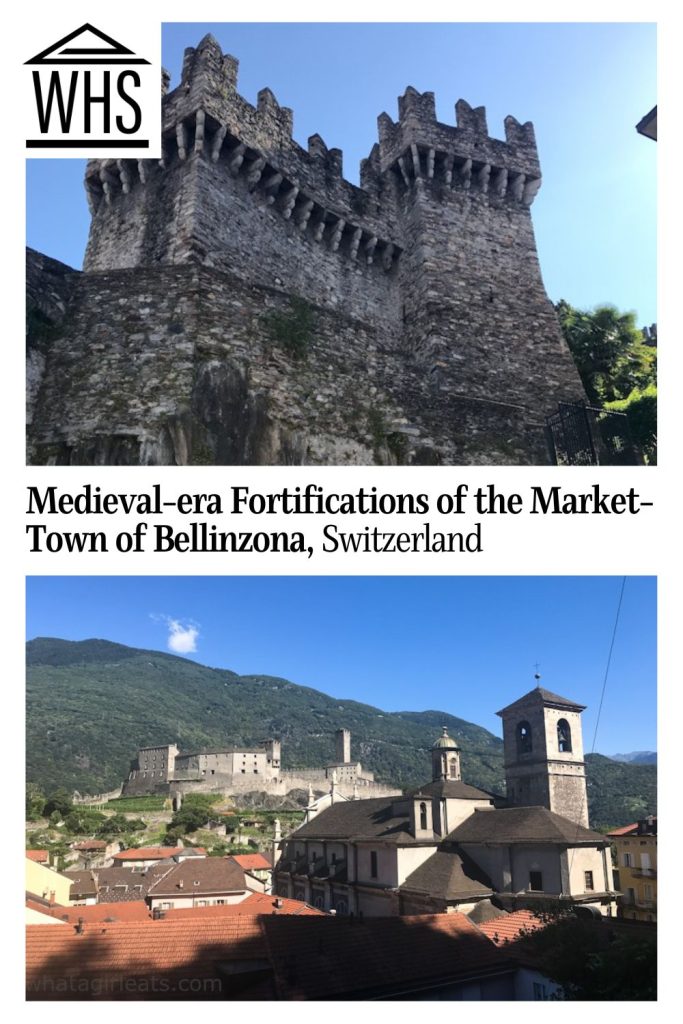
(430, 337)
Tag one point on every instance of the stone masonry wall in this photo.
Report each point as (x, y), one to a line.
(181, 366)
(430, 338)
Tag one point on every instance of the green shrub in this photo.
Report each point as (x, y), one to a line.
(293, 329)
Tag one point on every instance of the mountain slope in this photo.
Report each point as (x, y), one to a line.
(90, 704)
(637, 757)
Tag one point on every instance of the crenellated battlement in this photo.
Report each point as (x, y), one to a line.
(429, 337)
(463, 157)
(206, 119)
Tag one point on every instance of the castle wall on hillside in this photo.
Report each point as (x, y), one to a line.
(429, 337)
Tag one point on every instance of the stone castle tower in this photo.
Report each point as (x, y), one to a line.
(543, 749)
(243, 303)
(446, 759)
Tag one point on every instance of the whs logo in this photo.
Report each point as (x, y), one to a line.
(91, 95)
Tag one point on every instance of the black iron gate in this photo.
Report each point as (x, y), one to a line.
(580, 435)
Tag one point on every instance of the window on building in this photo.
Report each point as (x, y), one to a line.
(588, 881)
(167, 906)
(524, 745)
(540, 991)
(536, 881)
(564, 736)
(373, 864)
(318, 902)
(201, 903)
(630, 895)
(453, 769)
(423, 816)
(628, 860)
(342, 907)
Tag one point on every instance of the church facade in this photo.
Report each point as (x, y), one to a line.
(450, 846)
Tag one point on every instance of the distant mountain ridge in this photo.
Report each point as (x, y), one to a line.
(91, 703)
(636, 757)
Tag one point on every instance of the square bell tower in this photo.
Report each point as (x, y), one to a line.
(543, 750)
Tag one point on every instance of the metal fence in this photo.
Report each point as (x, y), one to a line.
(581, 435)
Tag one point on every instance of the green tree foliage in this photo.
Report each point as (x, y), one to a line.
(35, 802)
(139, 697)
(641, 409)
(591, 960)
(187, 819)
(83, 821)
(118, 825)
(58, 802)
(609, 351)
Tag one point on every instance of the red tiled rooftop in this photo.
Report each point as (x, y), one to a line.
(90, 844)
(340, 957)
(149, 853)
(255, 904)
(509, 927)
(252, 861)
(120, 961)
(39, 856)
(624, 830)
(135, 910)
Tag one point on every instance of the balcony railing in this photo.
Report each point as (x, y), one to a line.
(644, 872)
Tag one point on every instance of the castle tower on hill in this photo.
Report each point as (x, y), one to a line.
(543, 749)
(416, 298)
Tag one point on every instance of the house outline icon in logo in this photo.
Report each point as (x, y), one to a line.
(85, 48)
(113, 53)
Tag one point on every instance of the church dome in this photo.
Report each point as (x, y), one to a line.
(444, 741)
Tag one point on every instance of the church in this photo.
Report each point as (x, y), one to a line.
(449, 846)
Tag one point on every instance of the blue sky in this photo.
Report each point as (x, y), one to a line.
(584, 86)
(466, 645)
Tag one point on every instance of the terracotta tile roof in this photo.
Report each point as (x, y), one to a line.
(338, 957)
(255, 904)
(135, 910)
(39, 856)
(145, 959)
(90, 844)
(252, 861)
(448, 874)
(644, 827)
(523, 825)
(625, 830)
(149, 853)
(509, 927)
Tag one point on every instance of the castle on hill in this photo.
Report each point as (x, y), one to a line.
(164, 769)
(241, 302)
